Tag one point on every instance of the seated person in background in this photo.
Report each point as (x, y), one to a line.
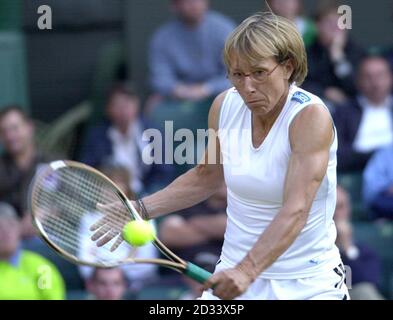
(363, 261)
(185, 55)
(197, 234)
(138, 275)
(24, 275)
(378, 184)
(291, 9)
(365, 124)
(18, 162)
(107, 284)
(120, 140)
(332, 59)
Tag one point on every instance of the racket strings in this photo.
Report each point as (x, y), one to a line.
(67, 196)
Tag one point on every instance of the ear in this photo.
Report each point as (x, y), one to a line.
(289, 68)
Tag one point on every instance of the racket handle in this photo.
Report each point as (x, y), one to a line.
(197, 273)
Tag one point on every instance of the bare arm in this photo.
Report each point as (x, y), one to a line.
(311, 135)
(198, 183)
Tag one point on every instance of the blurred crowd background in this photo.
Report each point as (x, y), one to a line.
(109, 69)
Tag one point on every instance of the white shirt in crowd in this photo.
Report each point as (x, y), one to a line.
(376, 127)
(127, 152)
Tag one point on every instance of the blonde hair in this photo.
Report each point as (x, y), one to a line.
(265, 35)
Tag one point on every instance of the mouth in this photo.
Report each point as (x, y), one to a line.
(253, 101)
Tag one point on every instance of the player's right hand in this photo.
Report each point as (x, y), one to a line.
(111, 225)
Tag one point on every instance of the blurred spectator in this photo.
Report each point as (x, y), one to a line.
(185, 54)
(291, 9)
(332, 59)
(23, 274)
(121, 140)
(378, 184)
(197, 234)
(107, 284)
(18, 162)
(363, 261)
(138, 275)
(365, 124)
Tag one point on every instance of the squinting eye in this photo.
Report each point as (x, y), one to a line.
(236, 75)
(259, 73)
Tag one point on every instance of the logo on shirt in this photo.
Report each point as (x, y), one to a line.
(300, 97)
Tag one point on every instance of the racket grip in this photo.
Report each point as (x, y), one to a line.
(197, 273)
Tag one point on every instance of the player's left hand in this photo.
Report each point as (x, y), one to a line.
(229, 284)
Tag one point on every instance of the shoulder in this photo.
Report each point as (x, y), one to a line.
(33, 260)
(215, 109)
(312, 127)
(347, 110)
(98, 130)
(164, 32)
(218, 19)
(302, 96)
(312, 115)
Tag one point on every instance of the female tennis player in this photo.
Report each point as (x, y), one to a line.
(278, 145)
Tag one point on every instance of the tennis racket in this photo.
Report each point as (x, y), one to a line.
(64, 196)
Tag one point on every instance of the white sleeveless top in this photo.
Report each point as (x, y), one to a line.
(255, 181)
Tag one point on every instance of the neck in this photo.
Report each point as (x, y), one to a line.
(324, 42)
(25, 158)
(192, 24)
(376, 100)
(123, 129)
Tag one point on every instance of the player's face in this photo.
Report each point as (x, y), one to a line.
(262, 96)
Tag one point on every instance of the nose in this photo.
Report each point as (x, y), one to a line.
(248, 84)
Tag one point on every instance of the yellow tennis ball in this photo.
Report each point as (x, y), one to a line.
(138, 232)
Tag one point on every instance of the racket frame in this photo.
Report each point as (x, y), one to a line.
(174, 262)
